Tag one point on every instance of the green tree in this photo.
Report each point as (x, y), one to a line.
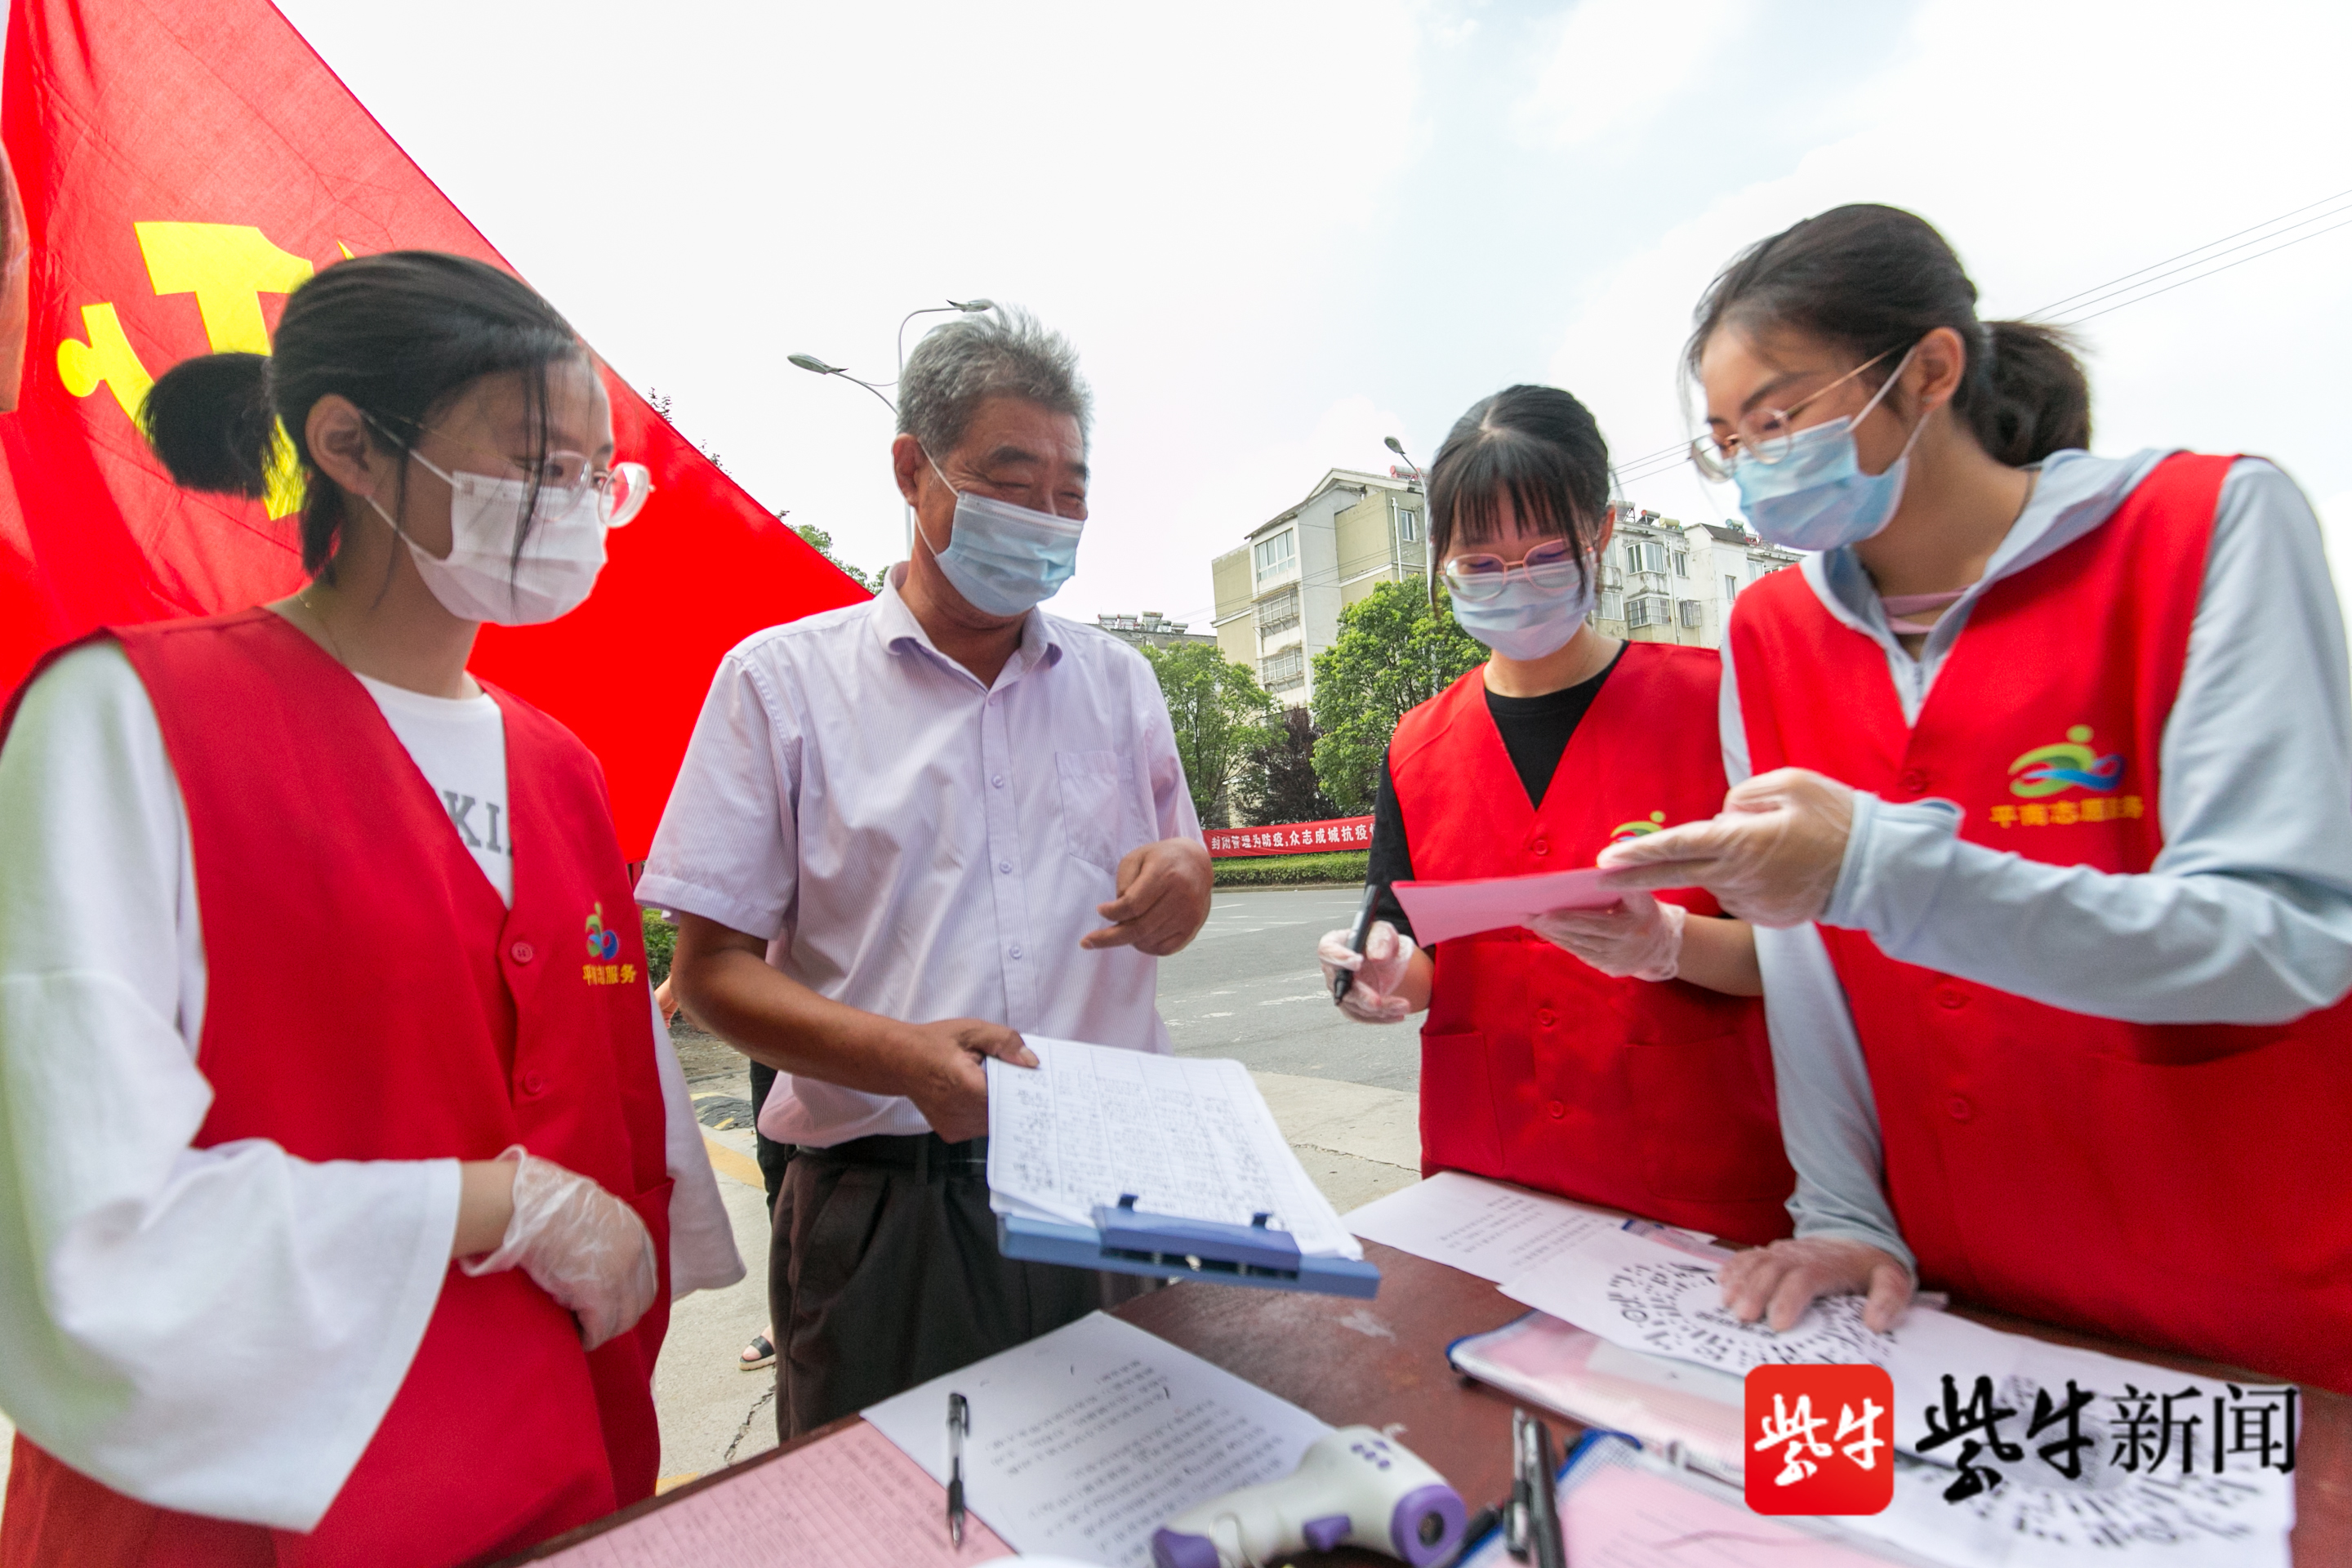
(1280, 774)
(1220, 714)
(822, 543)
(1394, 651)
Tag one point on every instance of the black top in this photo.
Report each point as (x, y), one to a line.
(1535, 731)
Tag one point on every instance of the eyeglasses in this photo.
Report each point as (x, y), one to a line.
(1764, 434)
(621, 490)
(1551, 567)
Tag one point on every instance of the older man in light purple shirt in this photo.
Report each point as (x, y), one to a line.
(906, 832)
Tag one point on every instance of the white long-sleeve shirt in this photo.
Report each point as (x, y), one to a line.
(215, 1329)
(2245, 916)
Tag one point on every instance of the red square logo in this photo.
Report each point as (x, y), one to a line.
(1820, 1440)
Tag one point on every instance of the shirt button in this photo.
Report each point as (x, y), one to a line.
(534, 1082)
(1016, 949)
(1960, 1108)
(1004, 865)
(1915, 780)
(1556, 1110)
(1541, 846)
(1950, 997)
(1546, 1017)
(998, 780)
(523, 952)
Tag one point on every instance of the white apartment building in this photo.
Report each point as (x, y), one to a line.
(1279, 595)
(1664, 581)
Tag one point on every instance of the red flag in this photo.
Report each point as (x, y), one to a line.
(182, 165)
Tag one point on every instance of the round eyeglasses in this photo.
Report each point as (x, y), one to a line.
(1551, 567)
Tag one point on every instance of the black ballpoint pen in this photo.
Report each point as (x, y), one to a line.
(1342, 980)
(959, 1423)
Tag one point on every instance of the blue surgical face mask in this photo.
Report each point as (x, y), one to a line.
(1815, 496)
(1005, 560)
(1526, 621)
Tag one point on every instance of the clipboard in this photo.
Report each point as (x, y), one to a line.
(1127, 1240)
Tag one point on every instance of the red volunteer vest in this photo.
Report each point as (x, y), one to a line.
(369, 998)
(1537, 1067)
(2172, 1184)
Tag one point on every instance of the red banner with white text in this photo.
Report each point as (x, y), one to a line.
(1292, 838)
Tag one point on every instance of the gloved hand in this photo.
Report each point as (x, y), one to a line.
(1784, 1278)
(582, 1245)
(1379, 969)
(1636, 936)
(1771, 856)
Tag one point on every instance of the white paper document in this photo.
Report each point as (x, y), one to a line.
(1087, 1439)
(1189, 1137)
(1481, 1227)
(2152, 1486)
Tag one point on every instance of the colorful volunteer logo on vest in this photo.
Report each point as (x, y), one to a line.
(604, 942)
(1625, 830)
(2072, 764)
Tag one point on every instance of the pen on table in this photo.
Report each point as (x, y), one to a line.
(1545, 1543)
(1345, 978)
(1517, 1512)
(959, 1423)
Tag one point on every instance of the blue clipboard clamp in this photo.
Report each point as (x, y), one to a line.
(1127, 1240)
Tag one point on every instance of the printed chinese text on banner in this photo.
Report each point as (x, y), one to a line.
(1292, 838)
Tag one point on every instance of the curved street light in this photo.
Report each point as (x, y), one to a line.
(816, 366)
(1428, 560)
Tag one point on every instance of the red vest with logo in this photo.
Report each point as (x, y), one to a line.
(369, 997)
(2166, 1183)
(1655, 1098)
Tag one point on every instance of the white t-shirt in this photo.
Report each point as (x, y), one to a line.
(459, 744)
(215, 1329)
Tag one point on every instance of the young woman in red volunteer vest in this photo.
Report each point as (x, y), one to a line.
(343, 1159)
(1618, 1057)
(2049, 809)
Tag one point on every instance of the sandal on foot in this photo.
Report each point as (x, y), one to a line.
(758, 1353)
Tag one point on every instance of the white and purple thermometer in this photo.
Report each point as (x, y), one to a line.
(1354, 1488)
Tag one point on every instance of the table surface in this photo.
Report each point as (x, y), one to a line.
(1383, 1363)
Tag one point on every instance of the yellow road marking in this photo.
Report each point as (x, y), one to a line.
(668, 1482)
(735, 1166)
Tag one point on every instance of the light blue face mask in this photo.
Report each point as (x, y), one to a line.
(1815, 495)
(1005, 560)
(1527, 620)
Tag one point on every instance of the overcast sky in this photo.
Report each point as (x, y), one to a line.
(1277, 232)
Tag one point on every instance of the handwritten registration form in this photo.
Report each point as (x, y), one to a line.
(852, 1501)
(1189, 1137)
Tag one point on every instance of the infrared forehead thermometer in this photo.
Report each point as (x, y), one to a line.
(1354, 1488)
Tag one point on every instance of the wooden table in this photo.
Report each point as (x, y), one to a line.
(1383, 1363)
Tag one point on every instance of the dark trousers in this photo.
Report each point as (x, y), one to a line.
(884, 1273)
(773, 1156)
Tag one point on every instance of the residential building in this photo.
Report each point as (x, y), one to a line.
(1664, 581)
(1279, 595)
(1150, 629)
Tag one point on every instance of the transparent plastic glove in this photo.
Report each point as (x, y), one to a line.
(582, 1245)
(1771, 855)
(1779, 1281)
(1380, 969)
(1636, 936)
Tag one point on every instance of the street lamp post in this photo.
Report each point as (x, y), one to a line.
(1428, 559)
(816, 366)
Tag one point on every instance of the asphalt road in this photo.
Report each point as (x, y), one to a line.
(1249, 987)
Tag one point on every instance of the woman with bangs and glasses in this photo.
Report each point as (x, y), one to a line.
(341, 1201)
(1618, 1056)
(2045, 798)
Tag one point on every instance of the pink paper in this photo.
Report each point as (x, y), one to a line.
(1632, 1519)
(1441, 911)
(851, 1501)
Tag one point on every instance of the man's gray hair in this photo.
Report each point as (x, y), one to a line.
(1002, 354)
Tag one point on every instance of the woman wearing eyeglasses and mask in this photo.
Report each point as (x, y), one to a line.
(1619, 1056)
(2050, 810)
(347, 1176)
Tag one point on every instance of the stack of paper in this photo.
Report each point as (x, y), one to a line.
(1188, 1138)
(1441, 911)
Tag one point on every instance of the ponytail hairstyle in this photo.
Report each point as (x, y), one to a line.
(399, 334)
(1874, 281)
(1537, 444)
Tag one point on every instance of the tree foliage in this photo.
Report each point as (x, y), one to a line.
(821, 541)
(1282, 785)
(1220, 714)
(1394, 651)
